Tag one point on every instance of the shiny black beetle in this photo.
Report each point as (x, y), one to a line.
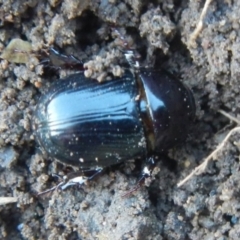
(92, 125)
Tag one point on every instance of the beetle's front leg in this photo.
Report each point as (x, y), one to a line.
(72, 179)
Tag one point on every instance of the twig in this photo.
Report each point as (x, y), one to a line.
(198, 170)
(199, 26)
(230, 117)
(6, 200)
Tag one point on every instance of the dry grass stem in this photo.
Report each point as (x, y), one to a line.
(6, 200)
(230, 117)
(199, 26)
(198, 170)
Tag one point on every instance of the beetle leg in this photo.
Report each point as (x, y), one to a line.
(67, 182)
(132, 58)
(79, 180)
(130, 54)
(50, 189)
(146, 173)
(64, 61)
(72, 182)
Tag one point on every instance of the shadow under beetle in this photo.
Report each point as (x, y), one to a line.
(92, 125)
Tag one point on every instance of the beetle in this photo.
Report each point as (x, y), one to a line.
(91, 125)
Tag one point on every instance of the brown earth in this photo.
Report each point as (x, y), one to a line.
(206, 207)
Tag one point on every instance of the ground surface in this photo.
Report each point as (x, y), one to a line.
(207, 206)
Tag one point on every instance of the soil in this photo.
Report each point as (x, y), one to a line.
(207, 206)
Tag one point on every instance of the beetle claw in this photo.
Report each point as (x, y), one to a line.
(138, 185)
(130, 192)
